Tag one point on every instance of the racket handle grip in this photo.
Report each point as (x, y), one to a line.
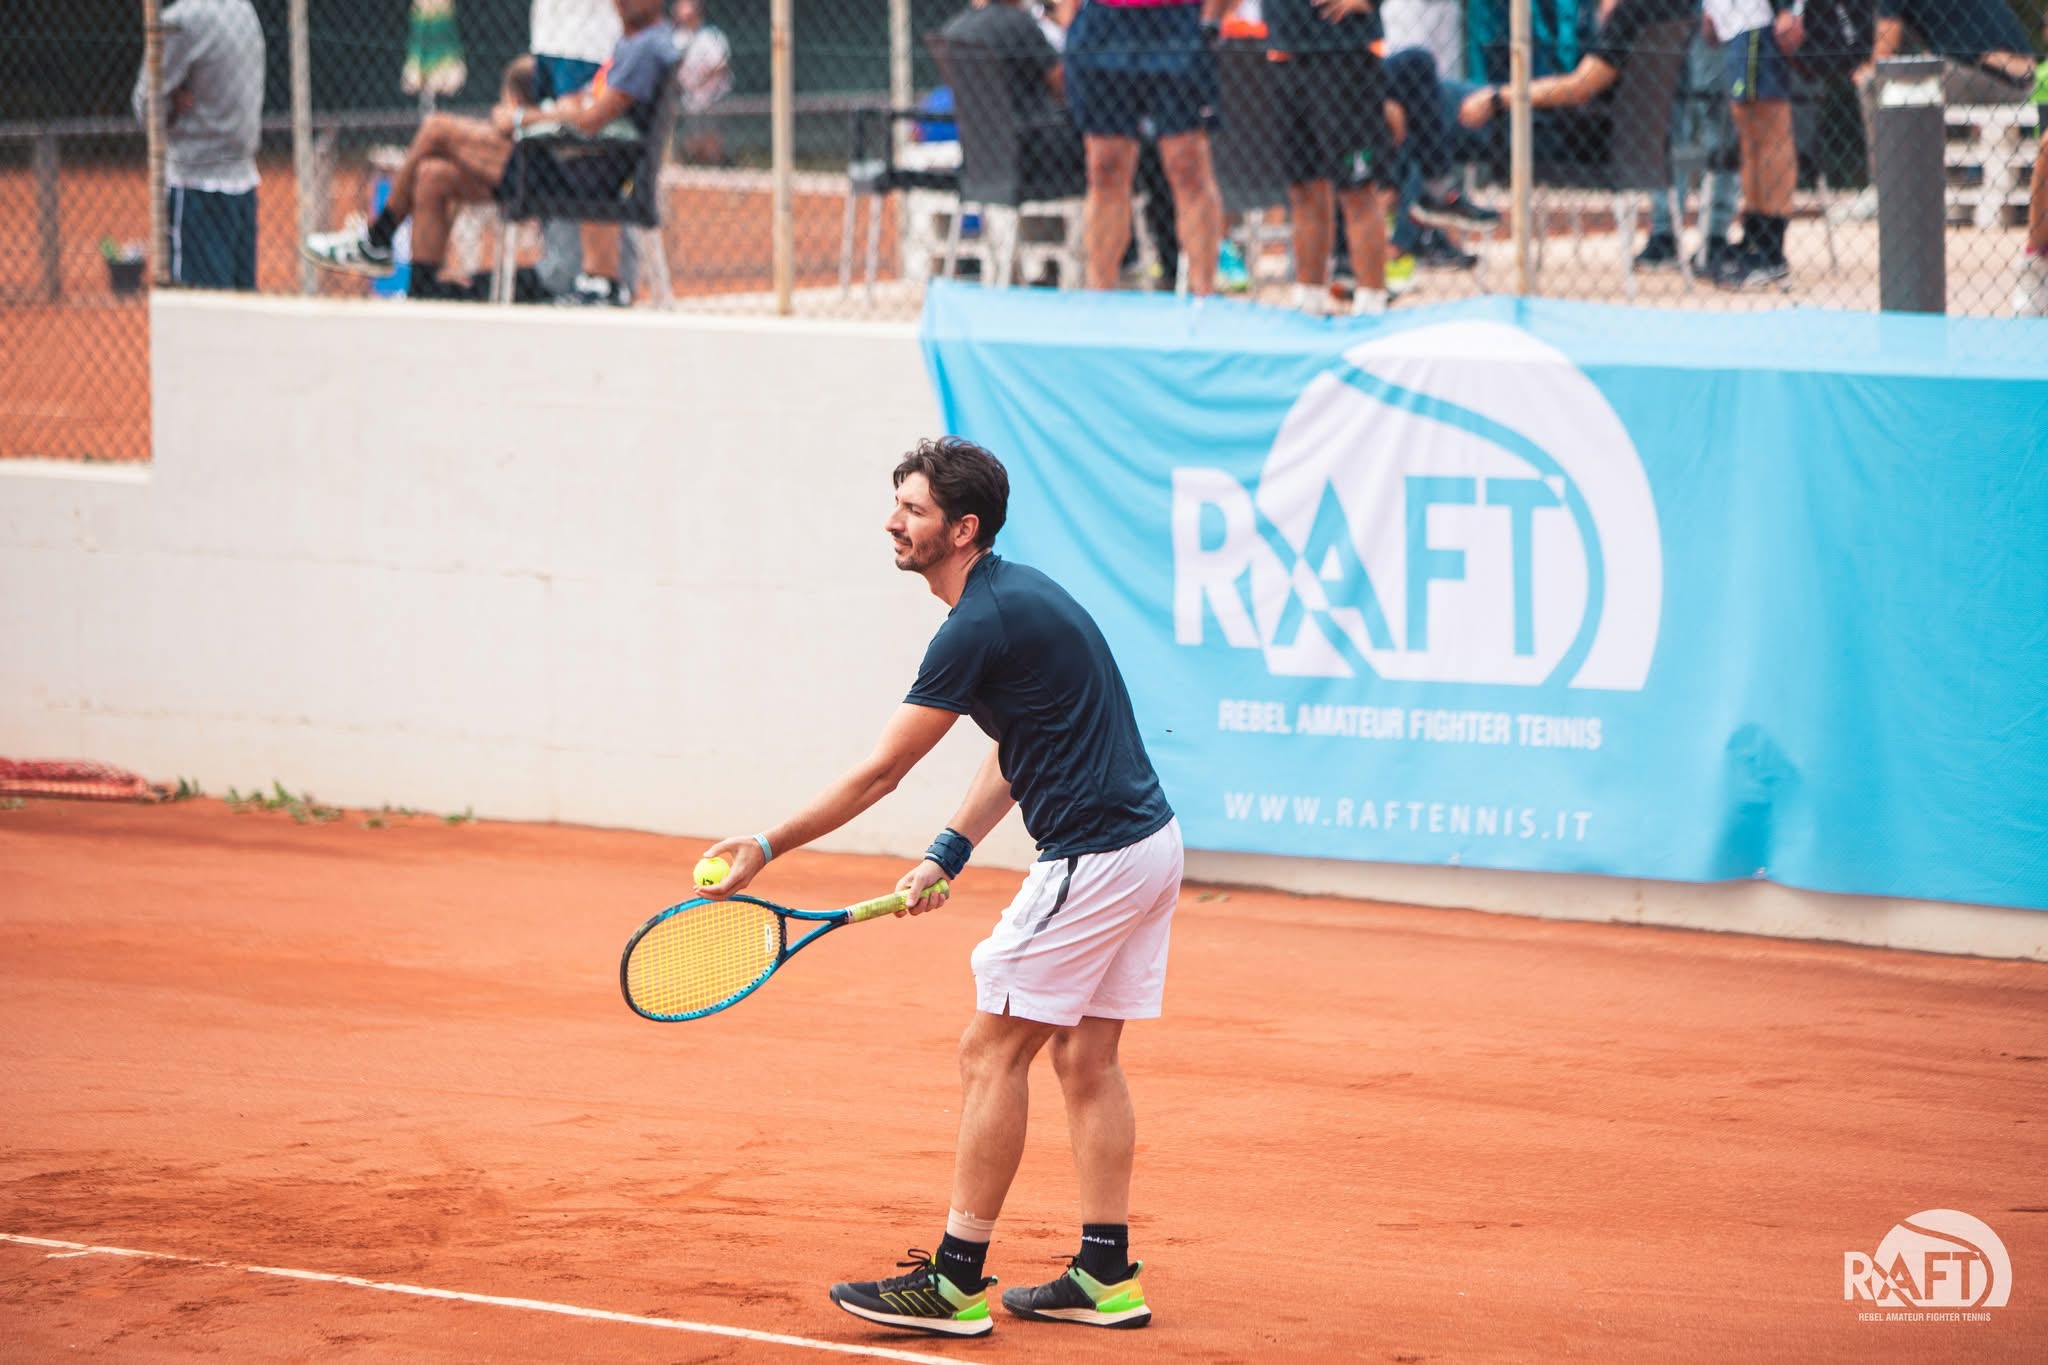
(884, 905)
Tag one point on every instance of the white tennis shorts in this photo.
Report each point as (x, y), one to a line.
(1085, 936)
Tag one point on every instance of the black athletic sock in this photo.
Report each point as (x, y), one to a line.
(1752, 231)
(1774, 237)
(1106, 1250)
(382, 229)
(424, 281)
(961, 1261)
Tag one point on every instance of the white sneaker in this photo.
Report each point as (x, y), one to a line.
(350, 252)
(1368, 303)
(2030, 290)
(1313, 299)
(1860, 208)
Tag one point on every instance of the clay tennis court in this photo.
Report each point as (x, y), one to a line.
(1366, 1132)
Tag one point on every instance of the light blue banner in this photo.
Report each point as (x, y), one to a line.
(1551, 586)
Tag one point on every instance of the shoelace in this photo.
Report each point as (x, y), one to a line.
(920, 1267)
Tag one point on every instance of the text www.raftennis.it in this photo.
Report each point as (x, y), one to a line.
(1408, 817)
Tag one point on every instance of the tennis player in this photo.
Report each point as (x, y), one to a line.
(1083, 946)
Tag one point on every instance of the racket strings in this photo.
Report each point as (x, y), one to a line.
(703, 956)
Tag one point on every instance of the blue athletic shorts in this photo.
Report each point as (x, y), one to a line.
(1140, 70)
(213, 238)
(1755, 69)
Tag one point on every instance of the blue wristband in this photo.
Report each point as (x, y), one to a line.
(950, 851)
(767, 853)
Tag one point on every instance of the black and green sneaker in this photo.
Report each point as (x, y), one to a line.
(922, 1301)
(1079, 1297)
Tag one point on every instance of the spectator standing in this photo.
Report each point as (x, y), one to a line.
(570, 40)
(2030, 294)
(1757, 42)
(1699, 119)
(1335, 146)
(1139, 67)
(1984, 60)
(454, 160)
(704, 72)
(213, 119)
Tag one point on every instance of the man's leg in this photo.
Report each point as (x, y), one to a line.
(995, 1101)
(1365, 225)
(947, 1296)
(2037, 199)
(1100, 1120)
(1198, 205)
(1112, 161)
(441, 188)
(1310, 209)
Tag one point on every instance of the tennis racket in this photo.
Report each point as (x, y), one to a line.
(703, 956)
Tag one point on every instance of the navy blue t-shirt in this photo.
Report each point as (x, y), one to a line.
(1029, 665)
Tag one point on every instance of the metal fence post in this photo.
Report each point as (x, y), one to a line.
(304, 177)
(1912, 207)
(49, 215)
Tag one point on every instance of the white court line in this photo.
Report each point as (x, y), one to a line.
(531, 1305)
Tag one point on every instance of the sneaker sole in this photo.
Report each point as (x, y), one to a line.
(938, 1327)
(1450, 222)
(368, 271)
(1087, 1317)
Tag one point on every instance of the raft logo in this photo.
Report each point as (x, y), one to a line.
(1455, 503)
(1934, 1264)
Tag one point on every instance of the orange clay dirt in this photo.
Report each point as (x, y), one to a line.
(1367, 1132)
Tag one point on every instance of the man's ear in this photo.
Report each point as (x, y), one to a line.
(971, 524)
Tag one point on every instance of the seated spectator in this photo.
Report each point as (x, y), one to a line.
(1031, 65)
(1984, 60)
(1431, 156)
(1577, 122)
(704, 70)
(455, 160)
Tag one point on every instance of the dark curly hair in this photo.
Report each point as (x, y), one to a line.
(966, 480)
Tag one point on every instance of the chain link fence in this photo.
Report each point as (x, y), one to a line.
(1736, 154)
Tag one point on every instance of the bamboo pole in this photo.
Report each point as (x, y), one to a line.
(782, 123)
(1521, 160)
(153, 120)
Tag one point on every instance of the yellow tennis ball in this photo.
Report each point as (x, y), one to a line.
(711, 871)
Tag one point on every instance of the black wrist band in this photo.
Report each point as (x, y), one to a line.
(1500, 101)
(950, 851)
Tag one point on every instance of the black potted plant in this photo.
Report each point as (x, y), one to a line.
(124, 265)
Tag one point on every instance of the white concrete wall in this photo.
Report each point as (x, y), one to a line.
(618, 570)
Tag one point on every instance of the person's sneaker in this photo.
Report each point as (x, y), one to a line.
(1313, 299)
(1452, 210)
(1079, 1297)
(1753, 270)
(922, 1301)
(1712, 259)
(1434, 251)
(1400, 273)
(594, 291)
(1232, 276)
(1659, 253)
(349, 251)
(1859, 209)
(2030, 290)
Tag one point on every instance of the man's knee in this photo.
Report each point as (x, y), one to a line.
(1083, 1057)
(995, 1045)
(1185, 159)
(1112, 163)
